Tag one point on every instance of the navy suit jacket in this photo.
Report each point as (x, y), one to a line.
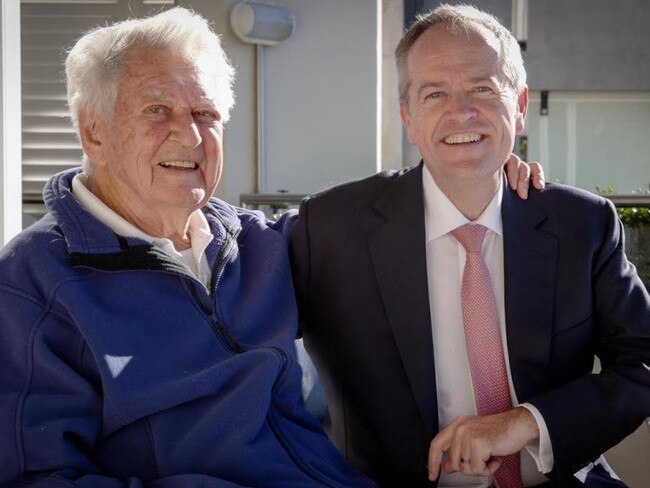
(359, 262)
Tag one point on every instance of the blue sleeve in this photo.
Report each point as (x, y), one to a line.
(51, 404)
(285, 222)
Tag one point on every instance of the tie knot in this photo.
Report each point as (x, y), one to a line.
(470, 236)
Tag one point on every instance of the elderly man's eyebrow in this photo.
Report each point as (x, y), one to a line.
(491, 78)
(155, 94)
(209, 101)
(159, 95)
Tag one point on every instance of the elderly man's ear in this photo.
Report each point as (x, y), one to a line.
(90, 132)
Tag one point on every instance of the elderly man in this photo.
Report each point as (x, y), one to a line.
(146, 331)
(450, 310)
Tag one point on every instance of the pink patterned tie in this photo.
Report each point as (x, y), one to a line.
(483, 339)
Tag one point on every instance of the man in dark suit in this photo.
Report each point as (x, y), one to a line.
(419, 334)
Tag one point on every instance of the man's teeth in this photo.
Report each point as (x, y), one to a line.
(463, 138)
(179, 164)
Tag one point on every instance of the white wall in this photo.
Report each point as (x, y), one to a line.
(321, 94)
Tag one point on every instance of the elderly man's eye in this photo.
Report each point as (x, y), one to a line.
(156, 110)
(208, 115)
(433, 95)
(484, 89)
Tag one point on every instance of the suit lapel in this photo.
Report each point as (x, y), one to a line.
(530, 257)
(398, 251)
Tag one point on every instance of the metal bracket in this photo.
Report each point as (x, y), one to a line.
(544, 106)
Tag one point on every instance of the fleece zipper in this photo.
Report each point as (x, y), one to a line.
(158, 261)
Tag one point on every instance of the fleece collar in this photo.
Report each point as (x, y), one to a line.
(84, 234)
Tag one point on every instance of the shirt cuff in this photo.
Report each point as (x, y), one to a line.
(540, 450)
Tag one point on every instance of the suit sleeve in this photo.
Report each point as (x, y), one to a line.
(51, 404)
(596, 411)
(300, 261)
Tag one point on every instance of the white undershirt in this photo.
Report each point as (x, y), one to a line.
(445, 265)
(198, 230)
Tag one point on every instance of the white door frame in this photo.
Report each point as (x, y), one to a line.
(10, 122)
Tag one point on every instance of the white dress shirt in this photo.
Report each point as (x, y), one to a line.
(445, 265)
(199, 231)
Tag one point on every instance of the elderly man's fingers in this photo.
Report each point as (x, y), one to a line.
(513, 165)
(522, 187)
(524, 181)
(537, 175)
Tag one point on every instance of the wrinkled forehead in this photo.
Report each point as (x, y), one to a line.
(162, 93)
(159, 73)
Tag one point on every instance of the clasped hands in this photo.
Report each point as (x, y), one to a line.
(474, 446)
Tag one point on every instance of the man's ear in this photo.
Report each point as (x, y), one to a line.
(522, 108)
(91, 135)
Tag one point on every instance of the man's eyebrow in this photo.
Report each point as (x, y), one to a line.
(156, 94)
(211, 101)
(482, 78)
(429, 84)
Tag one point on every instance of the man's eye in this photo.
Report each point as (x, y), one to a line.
(208, 115)
(433, 95)
(484, 89)
(156, 110)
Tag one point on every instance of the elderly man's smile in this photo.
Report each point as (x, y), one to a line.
(179, 165)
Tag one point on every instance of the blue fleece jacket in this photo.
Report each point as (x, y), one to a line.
(118, 368)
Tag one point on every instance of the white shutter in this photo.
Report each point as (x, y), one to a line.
(48, 30)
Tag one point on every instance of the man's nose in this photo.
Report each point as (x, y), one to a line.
(462, 107)
(186, 131)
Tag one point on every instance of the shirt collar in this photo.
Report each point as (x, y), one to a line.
(198, 229)
(441, 215)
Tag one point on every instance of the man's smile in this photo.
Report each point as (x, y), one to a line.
(179, 164)
(463, 138)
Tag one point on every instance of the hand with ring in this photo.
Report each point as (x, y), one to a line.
(475, 446)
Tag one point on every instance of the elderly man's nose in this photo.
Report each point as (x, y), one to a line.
(186, 131)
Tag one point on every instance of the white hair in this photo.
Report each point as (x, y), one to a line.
(95, 63)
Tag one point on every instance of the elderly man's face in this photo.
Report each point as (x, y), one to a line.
(461, 113)
(162, 150)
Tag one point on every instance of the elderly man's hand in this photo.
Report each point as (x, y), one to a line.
(475, 445)
(519, 175)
